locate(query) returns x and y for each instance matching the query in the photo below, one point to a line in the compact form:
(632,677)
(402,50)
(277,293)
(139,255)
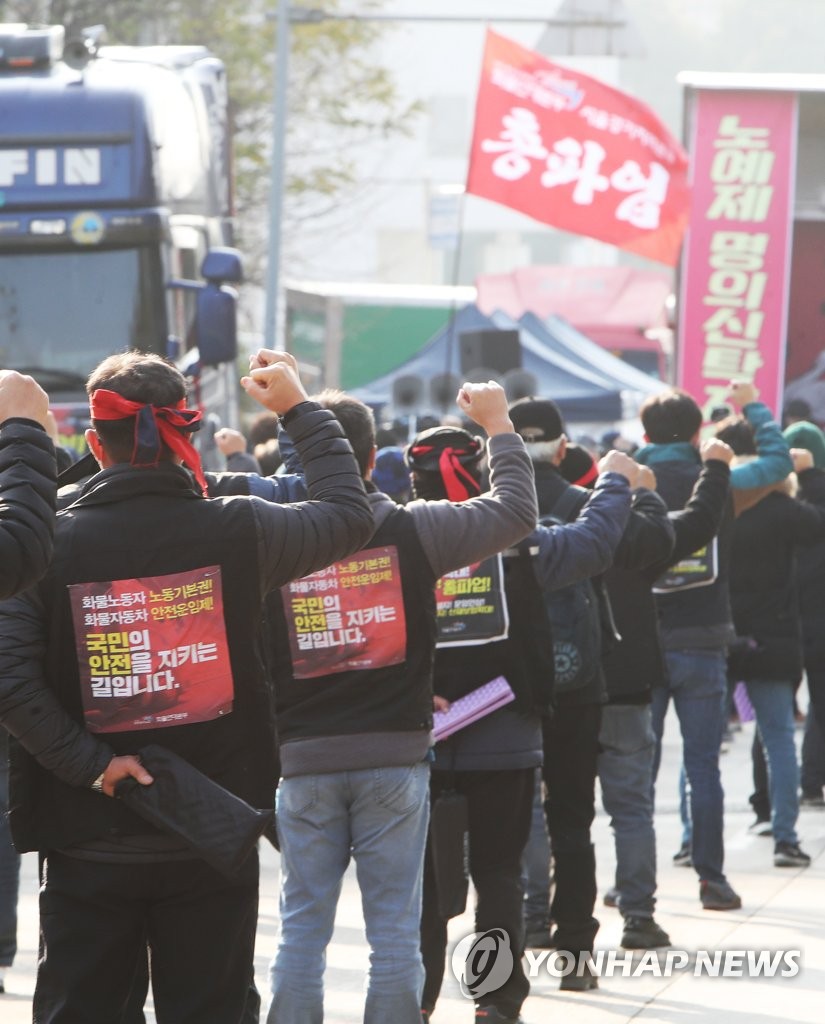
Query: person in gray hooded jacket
(491,763)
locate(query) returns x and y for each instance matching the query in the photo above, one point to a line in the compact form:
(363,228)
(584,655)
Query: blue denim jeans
(379,816)
(628,747)
(773,704)
(696,683)
(9,865)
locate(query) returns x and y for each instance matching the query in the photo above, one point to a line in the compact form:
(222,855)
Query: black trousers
(96,920)
(571,748)
(816,692)
(760,798)
(499,805)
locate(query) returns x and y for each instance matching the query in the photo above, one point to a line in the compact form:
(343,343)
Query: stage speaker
(407,391)
(520,384)
(443,389)
(500,350)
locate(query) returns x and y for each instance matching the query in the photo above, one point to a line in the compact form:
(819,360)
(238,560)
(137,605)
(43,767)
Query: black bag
(450,850)
(216,825)
(575,615)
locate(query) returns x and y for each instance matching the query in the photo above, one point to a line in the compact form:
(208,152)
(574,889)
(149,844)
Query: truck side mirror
(222,265)
(216,329)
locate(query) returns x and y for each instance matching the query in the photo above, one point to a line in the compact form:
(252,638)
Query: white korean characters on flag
(577,154)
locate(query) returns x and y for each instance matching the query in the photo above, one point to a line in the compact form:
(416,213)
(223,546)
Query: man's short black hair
(737,432)
(140,377)
(671,416)
(356,419)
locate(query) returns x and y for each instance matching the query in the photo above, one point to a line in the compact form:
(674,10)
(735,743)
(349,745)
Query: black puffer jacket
(763,577)
(140,523)
(700,618)
(27,504)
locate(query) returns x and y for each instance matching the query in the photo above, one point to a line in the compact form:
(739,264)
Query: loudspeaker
(443,390)
(407,391)
(500,350)
(520,384)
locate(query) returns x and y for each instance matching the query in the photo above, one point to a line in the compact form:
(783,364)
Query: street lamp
(286,16)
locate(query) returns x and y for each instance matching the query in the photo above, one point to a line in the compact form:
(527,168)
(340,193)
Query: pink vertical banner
(736,264)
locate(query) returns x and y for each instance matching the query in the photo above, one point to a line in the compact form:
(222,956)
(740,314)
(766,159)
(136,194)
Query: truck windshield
(62,312)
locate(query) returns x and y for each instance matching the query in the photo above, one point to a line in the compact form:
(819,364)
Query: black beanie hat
(578,466)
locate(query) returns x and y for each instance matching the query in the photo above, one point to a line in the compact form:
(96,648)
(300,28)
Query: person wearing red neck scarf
(144,633)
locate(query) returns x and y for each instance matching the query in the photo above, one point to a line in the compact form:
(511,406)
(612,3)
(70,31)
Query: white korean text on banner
(152,652)
(576,153)
(347,616)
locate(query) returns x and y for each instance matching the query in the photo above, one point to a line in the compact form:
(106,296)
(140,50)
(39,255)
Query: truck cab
(115,217)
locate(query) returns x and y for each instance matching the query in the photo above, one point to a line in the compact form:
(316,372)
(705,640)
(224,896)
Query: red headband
(153,424)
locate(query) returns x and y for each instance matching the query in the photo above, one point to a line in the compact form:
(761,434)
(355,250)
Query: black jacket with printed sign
(145,524)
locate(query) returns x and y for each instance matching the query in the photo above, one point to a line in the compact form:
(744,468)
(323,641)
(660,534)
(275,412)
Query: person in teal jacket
(774,462)
(696,625)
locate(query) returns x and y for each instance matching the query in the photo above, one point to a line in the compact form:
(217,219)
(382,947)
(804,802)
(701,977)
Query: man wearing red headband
(145,631)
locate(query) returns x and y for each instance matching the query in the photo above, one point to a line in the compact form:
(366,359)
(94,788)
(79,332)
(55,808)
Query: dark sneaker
(812,800)
(761,827)
(718,896)
(611,897)
(683,858)
(643,933)
(492,1015)
(788,855)
(575,982)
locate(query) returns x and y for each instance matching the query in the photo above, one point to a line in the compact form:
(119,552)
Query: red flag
(575,153)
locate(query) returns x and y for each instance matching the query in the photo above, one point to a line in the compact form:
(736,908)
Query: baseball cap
(537,419)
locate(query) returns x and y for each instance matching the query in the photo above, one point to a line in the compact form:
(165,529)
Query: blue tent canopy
(564,338)
(583,394)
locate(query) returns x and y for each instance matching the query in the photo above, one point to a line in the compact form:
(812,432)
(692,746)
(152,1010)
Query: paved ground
(783,909)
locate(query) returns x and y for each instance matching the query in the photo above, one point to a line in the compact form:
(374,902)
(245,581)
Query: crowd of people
(179,649)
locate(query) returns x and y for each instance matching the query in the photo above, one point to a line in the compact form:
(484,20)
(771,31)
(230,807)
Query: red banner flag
(575,153)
